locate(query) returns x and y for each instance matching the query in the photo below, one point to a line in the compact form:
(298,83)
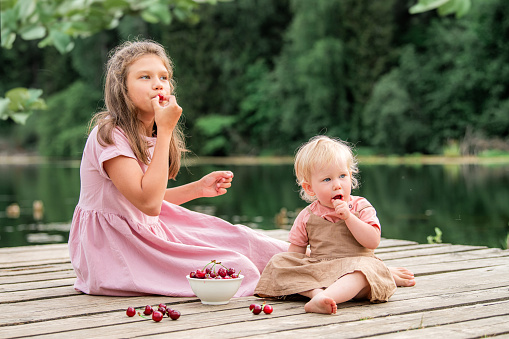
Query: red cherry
(251,307)
(267,309)
(257,309)
(222,272)
(131,312)
(174,314)
(230,271)
(161,97)
(200,274)
(157,316)
(192,274)
(148,310)
(162,310)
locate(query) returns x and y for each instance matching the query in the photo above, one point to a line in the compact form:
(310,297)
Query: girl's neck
(147,126)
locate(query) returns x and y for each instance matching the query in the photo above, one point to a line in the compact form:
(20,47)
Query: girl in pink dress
(342,232)
(129,236)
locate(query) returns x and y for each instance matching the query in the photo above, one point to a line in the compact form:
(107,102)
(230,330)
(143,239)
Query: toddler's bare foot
(321,304)
(402,276)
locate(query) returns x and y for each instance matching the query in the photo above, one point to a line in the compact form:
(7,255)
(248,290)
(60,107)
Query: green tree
(334,52)
(212,68)
(449,81)
(59,22)
(443,7)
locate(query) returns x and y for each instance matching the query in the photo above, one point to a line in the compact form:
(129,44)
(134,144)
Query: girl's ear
(307,188)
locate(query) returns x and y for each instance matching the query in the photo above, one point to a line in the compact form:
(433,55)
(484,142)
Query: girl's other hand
(216,183)
(341,208)
(167,112)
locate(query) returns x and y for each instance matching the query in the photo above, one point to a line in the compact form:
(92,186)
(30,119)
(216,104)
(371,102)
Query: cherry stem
(213,261)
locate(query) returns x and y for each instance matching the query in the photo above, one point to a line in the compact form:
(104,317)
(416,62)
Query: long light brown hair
(120,110)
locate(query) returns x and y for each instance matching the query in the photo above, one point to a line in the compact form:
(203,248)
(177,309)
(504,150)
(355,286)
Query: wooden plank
(434,268)
(19,257)
(59,290)
(446,257)
(480,328)
(418,268)
(32,263)
(31,249)
(39,294)
(4,272)
(407,300)
(426,251)
(76,305)
(408,325)
(191,311)
(222,322)
(395,242)
(12,256)
(461,291)
(37,277)
(37,285)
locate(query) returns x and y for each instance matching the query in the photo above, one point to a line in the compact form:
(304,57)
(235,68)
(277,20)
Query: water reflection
(467,202)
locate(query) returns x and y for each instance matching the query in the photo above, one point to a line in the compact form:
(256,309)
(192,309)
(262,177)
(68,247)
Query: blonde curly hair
(320,151)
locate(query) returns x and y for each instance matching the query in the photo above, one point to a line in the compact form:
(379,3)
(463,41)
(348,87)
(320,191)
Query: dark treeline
(260,77)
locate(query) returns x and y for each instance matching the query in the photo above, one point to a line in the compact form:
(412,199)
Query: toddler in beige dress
(341,230)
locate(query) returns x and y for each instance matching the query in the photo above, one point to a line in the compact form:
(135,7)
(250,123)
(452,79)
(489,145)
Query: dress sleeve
(298,235)
(120,147)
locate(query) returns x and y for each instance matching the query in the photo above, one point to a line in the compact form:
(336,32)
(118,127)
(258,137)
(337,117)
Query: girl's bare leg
(353,285)
(402,276)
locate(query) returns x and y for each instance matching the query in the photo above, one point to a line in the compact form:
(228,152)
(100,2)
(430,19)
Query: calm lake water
(469,203)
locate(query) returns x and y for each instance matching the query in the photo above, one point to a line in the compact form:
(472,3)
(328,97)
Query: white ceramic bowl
(215,291)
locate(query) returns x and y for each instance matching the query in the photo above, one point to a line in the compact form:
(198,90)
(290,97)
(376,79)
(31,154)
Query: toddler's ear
(308,189)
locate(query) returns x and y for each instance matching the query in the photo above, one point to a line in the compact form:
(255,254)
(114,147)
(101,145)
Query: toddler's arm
(367,235)
(297,249)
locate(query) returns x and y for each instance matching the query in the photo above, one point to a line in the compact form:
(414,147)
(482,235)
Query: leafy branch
(19,103)
(443,7)
(59,22)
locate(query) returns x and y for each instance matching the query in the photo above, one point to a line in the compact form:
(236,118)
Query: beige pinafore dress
(334,253)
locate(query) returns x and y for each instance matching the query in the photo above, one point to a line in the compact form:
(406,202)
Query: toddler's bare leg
(311,293)
(353,285)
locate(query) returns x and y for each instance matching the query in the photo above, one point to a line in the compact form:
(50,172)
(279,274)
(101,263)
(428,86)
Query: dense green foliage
(58,22)
(262,76)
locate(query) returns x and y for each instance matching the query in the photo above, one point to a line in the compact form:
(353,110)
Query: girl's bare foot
(402,276)
(321,304)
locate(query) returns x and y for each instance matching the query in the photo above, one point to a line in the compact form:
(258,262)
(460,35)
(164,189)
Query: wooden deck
(461,292)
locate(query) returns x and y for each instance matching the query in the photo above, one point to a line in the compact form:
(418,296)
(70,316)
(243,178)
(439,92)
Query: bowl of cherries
(215,284)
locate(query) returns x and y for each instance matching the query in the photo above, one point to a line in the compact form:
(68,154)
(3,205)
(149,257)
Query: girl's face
(329,182)
(146,78)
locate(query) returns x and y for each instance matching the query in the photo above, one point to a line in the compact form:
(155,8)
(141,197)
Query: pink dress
(118,250)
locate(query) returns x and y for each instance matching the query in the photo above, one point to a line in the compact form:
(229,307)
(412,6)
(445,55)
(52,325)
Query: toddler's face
(147,77)
(330,182)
